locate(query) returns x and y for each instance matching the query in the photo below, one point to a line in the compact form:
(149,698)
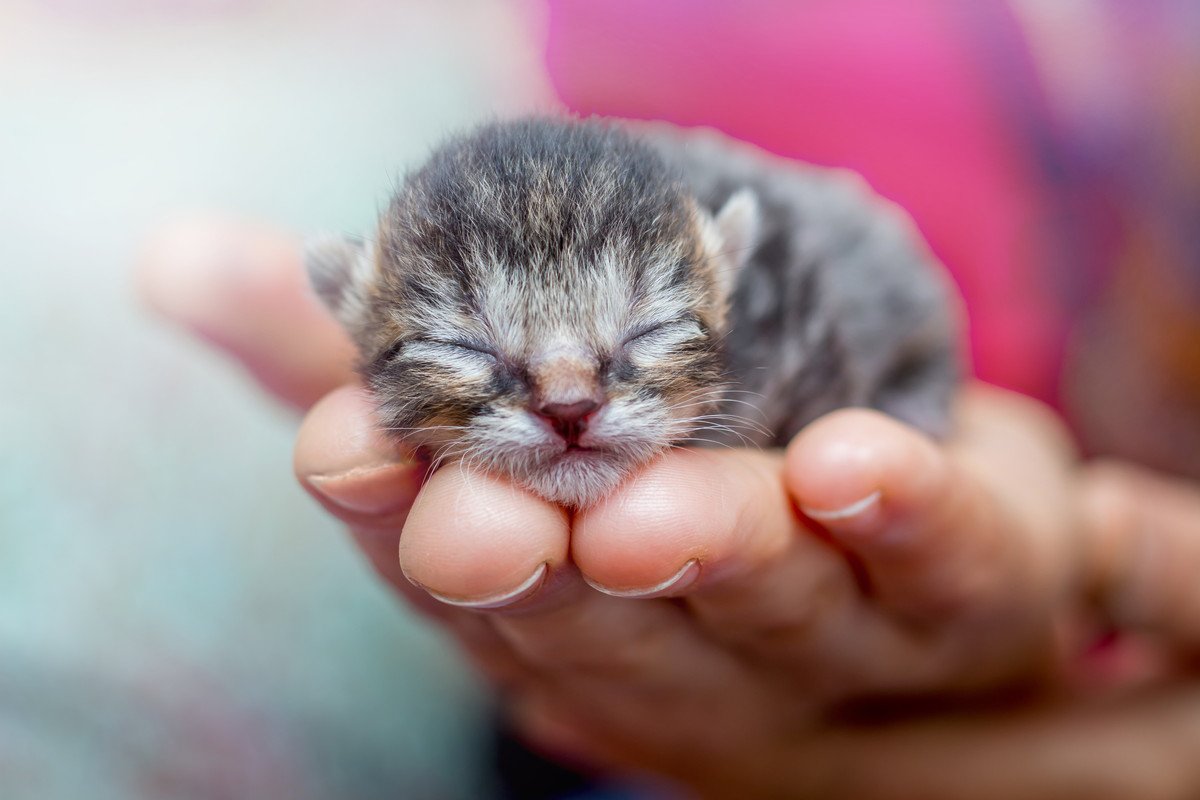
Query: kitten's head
(543,300)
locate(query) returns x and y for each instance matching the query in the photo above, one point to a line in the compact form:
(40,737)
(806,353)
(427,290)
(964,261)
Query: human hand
(952,582)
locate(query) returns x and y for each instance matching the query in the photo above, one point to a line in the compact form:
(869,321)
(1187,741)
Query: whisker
(425,428)
(732,420)
(718,427)
(711,442)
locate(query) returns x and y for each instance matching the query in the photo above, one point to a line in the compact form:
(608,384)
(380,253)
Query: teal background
(176,618)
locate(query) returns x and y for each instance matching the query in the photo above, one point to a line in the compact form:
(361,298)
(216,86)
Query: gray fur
(701,290)
(842,303)
(338,269)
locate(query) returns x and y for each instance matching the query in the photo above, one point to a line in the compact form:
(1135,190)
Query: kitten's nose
(569,419)
(568,413)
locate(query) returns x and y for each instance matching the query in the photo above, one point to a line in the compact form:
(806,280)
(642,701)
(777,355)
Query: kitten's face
(543,302)
(564,376)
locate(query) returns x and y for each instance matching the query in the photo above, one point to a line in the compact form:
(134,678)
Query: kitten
(560,301)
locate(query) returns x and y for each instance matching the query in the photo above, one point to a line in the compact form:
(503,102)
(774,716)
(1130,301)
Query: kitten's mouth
(581,454)
(575,452)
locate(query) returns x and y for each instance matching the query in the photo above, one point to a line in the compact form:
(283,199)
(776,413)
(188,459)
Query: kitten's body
(560,301)
(841,303)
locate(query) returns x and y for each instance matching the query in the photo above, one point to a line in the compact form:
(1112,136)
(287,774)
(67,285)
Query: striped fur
(699,290)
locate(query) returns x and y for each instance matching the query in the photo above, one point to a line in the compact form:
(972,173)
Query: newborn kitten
(560,301)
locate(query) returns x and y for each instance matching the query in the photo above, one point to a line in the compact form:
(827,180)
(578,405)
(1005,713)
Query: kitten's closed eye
(459,347)
(418,347)
(656,339)
(677,327)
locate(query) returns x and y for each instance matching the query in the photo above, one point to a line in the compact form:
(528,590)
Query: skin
(958,581)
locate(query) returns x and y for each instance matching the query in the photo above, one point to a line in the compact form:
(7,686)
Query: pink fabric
(895,91)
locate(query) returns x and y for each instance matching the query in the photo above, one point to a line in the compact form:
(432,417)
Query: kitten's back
(841,303)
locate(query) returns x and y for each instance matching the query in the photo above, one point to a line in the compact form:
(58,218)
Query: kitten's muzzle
(569,420)
(566,389)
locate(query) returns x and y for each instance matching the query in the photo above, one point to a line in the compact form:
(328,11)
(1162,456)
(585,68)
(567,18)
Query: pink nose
(569,419)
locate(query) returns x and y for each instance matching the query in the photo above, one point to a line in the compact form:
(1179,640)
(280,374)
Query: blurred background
(170,600)
(168,595)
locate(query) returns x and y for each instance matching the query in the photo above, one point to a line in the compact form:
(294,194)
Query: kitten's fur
(694,289)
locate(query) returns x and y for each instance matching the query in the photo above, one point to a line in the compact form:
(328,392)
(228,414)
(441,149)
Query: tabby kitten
(559,301)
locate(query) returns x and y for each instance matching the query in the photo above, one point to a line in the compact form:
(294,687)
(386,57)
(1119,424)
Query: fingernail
(526,589)
(375,491)
(682,579)
(845,512)
(861,514)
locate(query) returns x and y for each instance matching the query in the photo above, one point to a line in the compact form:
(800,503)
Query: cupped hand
(727,617)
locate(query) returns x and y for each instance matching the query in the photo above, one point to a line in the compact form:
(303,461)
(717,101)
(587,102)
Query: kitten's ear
(731,236)
(340,270)
(737,224)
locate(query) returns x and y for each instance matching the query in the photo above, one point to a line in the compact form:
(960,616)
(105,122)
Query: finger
(761,583)
(716,529)
(1143,545)
(358,476)
(366,482)
(691,515)
(243,289)
(942,533)
(475,541)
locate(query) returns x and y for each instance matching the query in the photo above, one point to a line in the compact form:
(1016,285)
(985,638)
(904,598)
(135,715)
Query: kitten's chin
(578,477)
